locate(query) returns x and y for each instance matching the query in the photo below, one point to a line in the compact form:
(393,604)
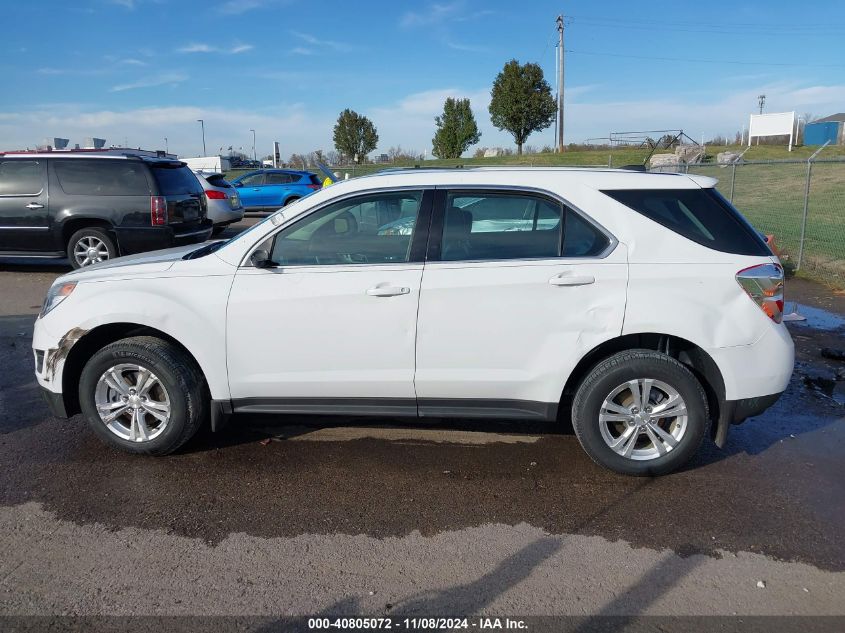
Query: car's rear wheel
(143,395)
(640,412)
(290,200)
(90,246)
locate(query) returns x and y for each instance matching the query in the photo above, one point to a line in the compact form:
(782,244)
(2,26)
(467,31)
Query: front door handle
(387,291)
(572,280)
(34,205)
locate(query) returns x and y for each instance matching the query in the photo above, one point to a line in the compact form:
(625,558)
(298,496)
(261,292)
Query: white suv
(642,305)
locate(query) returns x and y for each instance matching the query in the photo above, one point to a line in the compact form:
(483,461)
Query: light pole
(202,124)
(166,149)
(254,158)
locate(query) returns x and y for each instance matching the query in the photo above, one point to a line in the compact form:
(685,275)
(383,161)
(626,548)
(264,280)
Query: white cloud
(433,14)
(313,40)
(297,127)
(301,50)
(469,48)
(196,48)
(408,121)
(199,47)
(151,82)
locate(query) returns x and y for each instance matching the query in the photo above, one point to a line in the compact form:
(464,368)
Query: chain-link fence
(801,204)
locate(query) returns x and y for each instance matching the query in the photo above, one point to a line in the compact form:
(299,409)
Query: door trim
(328,406)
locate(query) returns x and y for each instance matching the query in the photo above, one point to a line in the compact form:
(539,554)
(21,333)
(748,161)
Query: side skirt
(221,410)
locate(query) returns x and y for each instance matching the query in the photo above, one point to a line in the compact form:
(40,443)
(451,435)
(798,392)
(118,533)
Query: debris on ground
(761,584)
(833,354)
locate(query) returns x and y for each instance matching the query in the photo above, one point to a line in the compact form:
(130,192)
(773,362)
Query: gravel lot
(299,516)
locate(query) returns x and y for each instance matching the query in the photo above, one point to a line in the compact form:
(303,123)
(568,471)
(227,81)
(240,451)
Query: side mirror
(260,259)
(238,184)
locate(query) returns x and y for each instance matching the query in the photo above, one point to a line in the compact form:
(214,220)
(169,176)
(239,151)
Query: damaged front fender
(56,355)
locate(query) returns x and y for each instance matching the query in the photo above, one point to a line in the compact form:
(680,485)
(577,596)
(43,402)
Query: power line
(705,61)
(742,27)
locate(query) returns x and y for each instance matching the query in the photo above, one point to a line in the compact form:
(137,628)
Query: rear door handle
(572,280)
(387,291)
(34,205)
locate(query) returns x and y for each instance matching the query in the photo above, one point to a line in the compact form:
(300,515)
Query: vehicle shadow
(46,265)
(472,598)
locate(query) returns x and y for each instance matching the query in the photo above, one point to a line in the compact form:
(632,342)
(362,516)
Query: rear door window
(109,177)
(175,179)
(489,225)
(21,177)
(281,179)
(253,180)
(701,215)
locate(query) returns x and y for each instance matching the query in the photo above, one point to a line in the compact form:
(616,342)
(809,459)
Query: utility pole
(253,145)
(761,101)
(202,124)
(560,147)
(166,148)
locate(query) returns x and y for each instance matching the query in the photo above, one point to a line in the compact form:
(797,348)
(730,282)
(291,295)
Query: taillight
(215,195)
(764,284)
(158,210)
(313,187)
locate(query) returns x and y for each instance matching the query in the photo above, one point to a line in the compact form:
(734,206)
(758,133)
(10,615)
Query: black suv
(94,207)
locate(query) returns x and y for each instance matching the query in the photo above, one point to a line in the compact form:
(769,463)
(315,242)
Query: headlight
(57,294)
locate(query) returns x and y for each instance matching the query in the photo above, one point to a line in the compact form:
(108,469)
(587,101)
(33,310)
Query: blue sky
(141,70)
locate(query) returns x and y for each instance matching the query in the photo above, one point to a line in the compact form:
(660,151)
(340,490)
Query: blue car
(269,189)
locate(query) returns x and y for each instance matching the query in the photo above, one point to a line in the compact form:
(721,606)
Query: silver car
(224,203)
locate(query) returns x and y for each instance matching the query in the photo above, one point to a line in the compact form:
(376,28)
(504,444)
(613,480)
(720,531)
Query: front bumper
(153,238)
(55,402)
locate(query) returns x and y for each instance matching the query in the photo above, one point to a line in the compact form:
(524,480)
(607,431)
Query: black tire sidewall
(597,387)
(100,234)
(134,354)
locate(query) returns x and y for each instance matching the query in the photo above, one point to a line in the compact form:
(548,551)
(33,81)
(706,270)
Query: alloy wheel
(643,419)
(132,402)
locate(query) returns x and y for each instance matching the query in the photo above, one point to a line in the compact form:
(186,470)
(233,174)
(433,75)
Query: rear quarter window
(175,180)
(102,177)
(700,215)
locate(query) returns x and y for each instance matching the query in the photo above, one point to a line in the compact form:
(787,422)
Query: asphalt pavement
(302,516)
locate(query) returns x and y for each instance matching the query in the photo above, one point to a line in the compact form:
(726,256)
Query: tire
(177,384)
(290,200)
(640,455)
(95,239)
(217,230)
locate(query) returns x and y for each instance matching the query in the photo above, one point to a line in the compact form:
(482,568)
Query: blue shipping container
(820,133)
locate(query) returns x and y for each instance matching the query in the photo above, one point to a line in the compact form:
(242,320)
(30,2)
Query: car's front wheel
(143,395)
(640,412)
